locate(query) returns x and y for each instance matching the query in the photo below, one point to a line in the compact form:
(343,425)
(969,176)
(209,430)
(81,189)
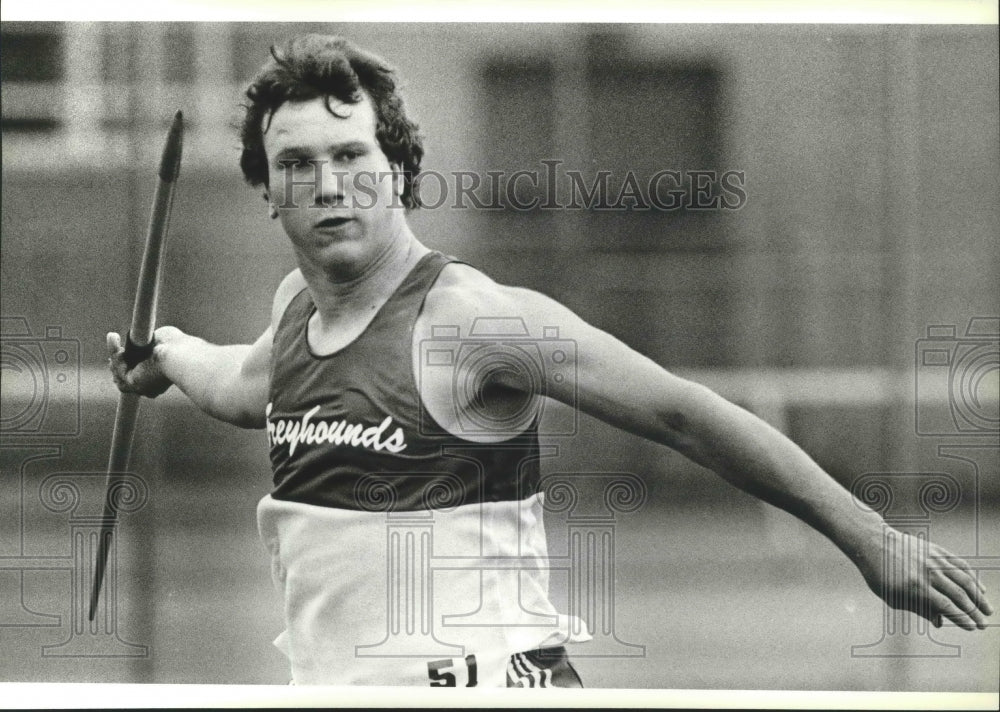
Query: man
(365,422)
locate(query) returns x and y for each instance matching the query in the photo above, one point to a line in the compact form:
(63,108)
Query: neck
(346,291)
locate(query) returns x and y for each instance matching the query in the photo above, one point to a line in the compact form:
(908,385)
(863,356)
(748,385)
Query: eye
(292,163)
(347,155)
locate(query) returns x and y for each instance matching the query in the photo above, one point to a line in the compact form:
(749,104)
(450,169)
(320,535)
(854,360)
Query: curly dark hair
(311,66)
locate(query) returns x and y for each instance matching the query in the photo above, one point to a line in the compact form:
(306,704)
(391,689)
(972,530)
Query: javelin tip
(170,163)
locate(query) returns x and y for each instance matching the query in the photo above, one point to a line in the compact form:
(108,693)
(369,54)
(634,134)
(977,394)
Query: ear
(398,179)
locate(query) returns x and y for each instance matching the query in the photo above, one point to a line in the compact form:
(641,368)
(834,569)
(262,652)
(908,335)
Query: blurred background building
(872,177)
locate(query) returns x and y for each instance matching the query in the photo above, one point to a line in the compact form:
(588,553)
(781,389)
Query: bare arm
(621,387)
(226,382)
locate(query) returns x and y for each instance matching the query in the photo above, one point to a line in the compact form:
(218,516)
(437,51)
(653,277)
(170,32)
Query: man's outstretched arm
(758,459)
(620,386)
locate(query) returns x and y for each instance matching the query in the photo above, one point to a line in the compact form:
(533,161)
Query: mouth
(332,223)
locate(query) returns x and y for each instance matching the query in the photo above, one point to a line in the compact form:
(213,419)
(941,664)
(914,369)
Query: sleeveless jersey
(405,555)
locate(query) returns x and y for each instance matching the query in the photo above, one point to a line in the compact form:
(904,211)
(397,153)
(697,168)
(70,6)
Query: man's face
(342,209)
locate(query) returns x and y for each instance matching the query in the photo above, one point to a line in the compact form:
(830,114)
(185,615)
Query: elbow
(249,422)
(673,428)
(673,423)
(248,418)
(234,412)
(679,421)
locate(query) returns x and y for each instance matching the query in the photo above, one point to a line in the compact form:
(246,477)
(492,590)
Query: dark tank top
(349,430)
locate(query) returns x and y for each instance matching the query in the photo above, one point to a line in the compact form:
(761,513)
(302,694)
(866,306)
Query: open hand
(920,576)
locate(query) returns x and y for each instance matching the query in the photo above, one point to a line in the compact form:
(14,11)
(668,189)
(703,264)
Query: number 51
(441,671)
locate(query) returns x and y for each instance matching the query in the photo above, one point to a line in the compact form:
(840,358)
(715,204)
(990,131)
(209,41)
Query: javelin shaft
(138,345)
(121,449)
(144,309)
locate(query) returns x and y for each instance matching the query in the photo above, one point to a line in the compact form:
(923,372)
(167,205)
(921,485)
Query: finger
(114,342)
(133,376)
(944,605)
(963,574)
(118,373)
(960,596)
(962,565)
(970,585)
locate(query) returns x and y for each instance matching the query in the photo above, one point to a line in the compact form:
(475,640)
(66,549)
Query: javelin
(138,343)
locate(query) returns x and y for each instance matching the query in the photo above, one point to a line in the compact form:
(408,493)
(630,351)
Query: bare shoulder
(463,294)
(480,349)
(292,284)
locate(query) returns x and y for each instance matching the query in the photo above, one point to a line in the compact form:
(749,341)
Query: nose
(331,184)
(314,183)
